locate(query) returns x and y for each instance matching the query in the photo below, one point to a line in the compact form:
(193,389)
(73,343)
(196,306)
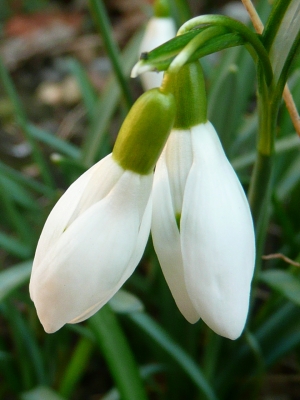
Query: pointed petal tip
(230,328)
(50,325)
(231,334)
(192,318)
(139,68)
(51,328)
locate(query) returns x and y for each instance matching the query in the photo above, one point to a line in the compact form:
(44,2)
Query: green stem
(192,46)
(181,10)
(260,184)
(101,18)
(245,32)
(118,355)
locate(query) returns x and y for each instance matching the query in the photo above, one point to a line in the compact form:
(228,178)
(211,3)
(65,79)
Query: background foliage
(64,92)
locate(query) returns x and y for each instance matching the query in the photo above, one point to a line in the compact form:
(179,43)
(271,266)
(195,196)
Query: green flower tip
(145,131)
(161,9)
(188,87)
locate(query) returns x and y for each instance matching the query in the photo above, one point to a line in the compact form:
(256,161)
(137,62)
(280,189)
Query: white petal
(141,242)
(179,158)
(92,258)
(166,240)
(158,31)
(217,237)
(67,207)
(151,80)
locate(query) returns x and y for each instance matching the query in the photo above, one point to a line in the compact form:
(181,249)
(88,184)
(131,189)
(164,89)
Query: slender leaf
(284,282)
(107,103)
(157,333)
(113,345)
(14,277)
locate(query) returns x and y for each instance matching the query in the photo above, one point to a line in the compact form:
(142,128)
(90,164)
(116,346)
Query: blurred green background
(61,107)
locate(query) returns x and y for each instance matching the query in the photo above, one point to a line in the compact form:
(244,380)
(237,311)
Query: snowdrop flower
(97,232)
(201,224)
(159,30)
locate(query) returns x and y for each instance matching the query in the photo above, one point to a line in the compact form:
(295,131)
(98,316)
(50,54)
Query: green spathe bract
(145,131)
(188,87)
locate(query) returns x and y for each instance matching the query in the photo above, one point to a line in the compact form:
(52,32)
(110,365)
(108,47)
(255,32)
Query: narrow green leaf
(124,302)
(87,90)
(156,332)
(54,142)
(283,347)
(19,194)
(145,371)
(119,357)
(107,103)
(285,144)
(14,246)
(22,120)
(76,367)
(284,282)
(25,180)
(12,213)
(100,16)
(275,21)
(14,277)
(181,10)
(26,346)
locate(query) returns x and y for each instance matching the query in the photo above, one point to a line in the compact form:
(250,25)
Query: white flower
(91,243)
(158,31)
(208,263)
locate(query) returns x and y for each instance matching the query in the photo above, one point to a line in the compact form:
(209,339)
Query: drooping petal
(74,201)
(166,240)
(217,237)
(91,259)
(141,242)
(158,31)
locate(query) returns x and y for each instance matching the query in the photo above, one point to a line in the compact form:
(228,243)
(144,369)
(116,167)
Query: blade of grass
(24,180)
(119,357)
(157,333)
(25,348)
(287,143)
(14,246)
(19,195)
(54,142)
(107,103)
(14,277)
(12,213)
(100,16)
(181,10)
(22,121)
(87,91)
(146,371)
(76,367)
